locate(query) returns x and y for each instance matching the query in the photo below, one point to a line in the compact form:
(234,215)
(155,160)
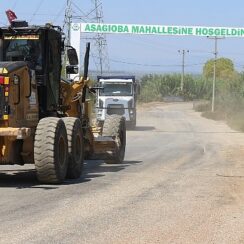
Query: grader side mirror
(72,56)
(72,69)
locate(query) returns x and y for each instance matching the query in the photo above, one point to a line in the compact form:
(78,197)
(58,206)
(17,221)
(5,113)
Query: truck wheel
(134,123)
(131,125)
(75,147)
(51,150)
(114,125)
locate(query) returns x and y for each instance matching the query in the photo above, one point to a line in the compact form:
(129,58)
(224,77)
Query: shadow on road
(26,178)
(144,128)
(20,179)
(197,132)
(99,168)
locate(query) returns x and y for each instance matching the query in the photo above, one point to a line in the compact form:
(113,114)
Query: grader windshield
(23,48)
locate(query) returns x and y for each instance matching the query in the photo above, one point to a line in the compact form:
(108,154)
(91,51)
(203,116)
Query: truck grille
(115,109)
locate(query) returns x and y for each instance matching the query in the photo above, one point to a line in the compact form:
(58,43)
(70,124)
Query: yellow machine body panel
(71,94)
(20,94)
(19,112)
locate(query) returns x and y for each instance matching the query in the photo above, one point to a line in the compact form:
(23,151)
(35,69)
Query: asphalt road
(182,182)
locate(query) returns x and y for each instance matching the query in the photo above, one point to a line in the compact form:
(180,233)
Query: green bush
(156,87)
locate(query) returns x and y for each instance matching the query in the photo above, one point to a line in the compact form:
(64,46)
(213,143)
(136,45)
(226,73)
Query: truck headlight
(99,111)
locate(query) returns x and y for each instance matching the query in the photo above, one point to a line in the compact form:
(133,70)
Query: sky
(146,53)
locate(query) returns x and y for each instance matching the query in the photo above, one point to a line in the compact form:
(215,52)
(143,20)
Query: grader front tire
(114,126)
(51,150)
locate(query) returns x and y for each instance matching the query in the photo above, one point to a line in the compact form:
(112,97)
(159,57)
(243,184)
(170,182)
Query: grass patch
(234,118)
(236,121)
(214,115)
(201,106)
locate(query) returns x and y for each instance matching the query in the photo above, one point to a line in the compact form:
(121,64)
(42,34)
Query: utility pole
(100,38)
(99,42)
(67,28)
(214,68)
(68,19)
(183,52)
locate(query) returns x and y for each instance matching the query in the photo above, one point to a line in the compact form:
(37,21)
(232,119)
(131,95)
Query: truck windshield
(116,89)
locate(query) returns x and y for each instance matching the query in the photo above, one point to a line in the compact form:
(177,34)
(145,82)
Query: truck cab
(117,95)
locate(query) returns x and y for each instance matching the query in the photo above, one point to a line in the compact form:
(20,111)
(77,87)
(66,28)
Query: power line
(78,17)
(94,57)
(59,13)
(84,17)
(14,4)
(155,65)
(93,10)
(37,9)
(4,24)
(40,14)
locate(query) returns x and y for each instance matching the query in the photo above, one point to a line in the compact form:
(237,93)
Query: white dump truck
(117,95)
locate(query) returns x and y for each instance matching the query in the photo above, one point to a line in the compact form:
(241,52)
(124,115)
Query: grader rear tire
(75,147)
(114,125)
(51,150)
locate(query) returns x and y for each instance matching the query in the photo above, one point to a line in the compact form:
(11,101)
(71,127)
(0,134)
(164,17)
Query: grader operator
(44,119)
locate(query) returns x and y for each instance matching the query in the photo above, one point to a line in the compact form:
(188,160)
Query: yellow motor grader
(46,120)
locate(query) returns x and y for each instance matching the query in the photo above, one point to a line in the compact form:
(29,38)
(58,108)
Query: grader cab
(46,120)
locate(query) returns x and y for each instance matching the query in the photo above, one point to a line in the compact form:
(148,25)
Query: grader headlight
(4,80)
(4,94)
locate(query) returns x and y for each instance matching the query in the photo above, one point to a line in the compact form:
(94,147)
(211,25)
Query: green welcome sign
(158,30)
